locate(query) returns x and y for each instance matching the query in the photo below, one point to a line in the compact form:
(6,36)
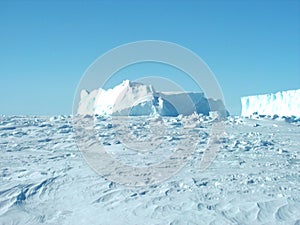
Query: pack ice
(284,103)
(137,99)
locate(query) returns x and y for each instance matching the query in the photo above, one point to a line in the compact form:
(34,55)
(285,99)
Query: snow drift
(137,99)
(284,103)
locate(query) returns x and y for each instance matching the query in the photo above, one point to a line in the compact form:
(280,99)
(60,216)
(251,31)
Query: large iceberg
(284,103)
(137,99)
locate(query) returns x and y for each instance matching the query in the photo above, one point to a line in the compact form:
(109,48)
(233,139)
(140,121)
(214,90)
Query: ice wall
(284,103)
(136,99)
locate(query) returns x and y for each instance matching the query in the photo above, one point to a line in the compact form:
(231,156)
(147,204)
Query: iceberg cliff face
(136,99)
(285,103)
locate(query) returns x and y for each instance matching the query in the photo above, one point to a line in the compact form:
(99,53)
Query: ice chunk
(137,99)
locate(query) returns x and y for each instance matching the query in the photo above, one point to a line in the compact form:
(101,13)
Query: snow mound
(137,99)
(284,103)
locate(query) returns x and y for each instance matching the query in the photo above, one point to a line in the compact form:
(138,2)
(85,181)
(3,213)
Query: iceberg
(137,99)
(284,103)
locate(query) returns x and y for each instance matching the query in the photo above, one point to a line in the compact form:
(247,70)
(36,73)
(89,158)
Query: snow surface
(284,103)
(255,178)
(136,99)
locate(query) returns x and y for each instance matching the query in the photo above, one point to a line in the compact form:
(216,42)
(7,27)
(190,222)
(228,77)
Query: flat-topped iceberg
(284,103)
(137,99)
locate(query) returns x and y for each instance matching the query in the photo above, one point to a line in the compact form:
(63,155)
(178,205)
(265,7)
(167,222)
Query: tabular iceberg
(137,99)
(284,103)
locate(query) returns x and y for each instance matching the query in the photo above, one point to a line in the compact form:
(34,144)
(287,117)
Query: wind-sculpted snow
(285,103)
(136,99)
(254,179)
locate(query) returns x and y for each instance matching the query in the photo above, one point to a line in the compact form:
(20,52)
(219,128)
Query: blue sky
(45,46)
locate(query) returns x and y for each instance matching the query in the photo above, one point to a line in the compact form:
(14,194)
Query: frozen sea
(254,179)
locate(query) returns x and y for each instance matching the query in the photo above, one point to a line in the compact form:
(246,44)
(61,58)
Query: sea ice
(253,180)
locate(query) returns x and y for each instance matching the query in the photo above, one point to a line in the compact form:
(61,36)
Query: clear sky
(251,46)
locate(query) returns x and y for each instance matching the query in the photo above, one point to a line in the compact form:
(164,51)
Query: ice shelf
(283,103)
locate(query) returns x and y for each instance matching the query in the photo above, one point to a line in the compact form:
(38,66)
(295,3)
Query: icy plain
(255,178)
